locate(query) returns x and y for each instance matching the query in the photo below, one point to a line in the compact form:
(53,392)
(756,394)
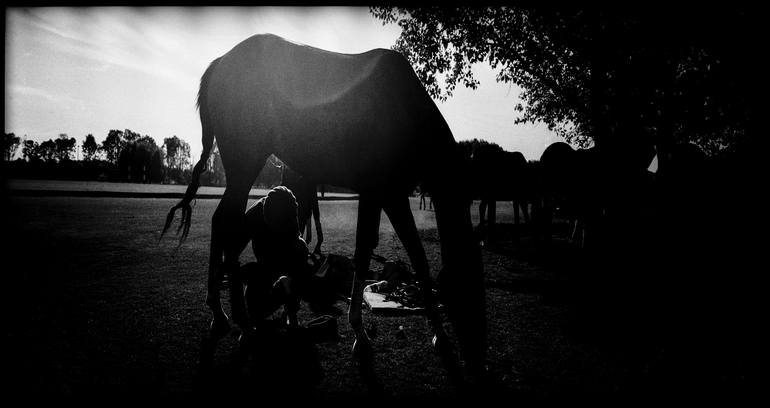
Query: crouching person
(282,271)
(281,275)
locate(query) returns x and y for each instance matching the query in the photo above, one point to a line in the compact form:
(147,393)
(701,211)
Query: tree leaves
(10,144)
(591,72)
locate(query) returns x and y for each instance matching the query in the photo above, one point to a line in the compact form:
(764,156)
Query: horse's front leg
(402,219)
(367,231)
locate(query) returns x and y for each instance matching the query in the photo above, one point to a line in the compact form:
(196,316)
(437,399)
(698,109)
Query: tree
(130,136)
(177,153)
(112,145)
(10,144)
(156,167)
(612,77)
(444,43)
(31,151)
(470,146)
(47,151)
(171,148)
(125,161)
(145,147)
(89,148)
(183,158)
(65,147)
(215,169)
(140,160)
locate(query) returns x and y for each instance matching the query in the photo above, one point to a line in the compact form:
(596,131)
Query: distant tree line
(467,147)
(123,156)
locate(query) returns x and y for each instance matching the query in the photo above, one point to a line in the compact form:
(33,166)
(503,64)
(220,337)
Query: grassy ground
(103,189)
(100,305)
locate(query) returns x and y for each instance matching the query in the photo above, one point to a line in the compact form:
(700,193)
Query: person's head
(280,211)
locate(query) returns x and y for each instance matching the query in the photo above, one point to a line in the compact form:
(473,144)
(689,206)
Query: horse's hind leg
(401,218)
(219,326)
(482,211)
(516,220)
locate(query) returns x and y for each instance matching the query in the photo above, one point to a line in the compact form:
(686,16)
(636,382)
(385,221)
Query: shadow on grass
(278,364)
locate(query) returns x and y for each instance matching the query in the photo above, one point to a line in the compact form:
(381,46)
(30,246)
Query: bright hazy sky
(88,70)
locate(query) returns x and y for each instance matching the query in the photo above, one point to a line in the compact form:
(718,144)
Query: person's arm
(296,281)
(292,301)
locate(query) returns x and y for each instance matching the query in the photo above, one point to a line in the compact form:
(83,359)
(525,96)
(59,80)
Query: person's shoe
(325,309)
(219,328)
(224,282)
(323,328)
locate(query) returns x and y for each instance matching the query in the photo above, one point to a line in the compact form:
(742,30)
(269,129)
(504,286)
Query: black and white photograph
(468,204)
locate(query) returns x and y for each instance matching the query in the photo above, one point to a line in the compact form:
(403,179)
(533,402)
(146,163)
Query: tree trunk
(599,125)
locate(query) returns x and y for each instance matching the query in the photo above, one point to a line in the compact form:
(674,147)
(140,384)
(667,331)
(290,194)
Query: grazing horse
(568,185)
(501,176)
(584,184)
(516,189)
(360,121)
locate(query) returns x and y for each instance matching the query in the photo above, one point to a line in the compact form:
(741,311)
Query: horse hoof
(435,342)
(244,342)
(444,349)
(362,350)
(442,345)
(219,328)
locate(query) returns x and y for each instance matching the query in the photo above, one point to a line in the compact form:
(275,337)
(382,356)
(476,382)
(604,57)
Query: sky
(85,71)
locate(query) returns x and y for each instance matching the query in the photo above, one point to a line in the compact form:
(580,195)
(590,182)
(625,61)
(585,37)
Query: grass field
(100,305)
(84,188)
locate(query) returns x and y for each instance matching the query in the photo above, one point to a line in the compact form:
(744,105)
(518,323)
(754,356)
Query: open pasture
(101,306)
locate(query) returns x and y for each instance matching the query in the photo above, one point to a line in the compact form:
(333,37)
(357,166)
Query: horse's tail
(200,166)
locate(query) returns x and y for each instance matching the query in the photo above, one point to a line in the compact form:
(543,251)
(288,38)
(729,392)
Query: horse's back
(271,69)
(329,113)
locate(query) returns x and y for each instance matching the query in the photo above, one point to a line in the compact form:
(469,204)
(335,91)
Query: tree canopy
(613,77)
(65,147)
(112,145)
(177,153)
(89,148)
(140,159)
(30,151)
(10,144)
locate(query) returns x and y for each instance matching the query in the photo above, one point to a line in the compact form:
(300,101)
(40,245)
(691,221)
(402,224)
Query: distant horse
(569,187)
(359,121)
(423,205)
(583,185)
(501,176)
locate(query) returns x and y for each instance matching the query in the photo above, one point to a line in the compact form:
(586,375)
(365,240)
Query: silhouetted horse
(360,121)
(500,176)
(423,204)
(583,185)
(569,186)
